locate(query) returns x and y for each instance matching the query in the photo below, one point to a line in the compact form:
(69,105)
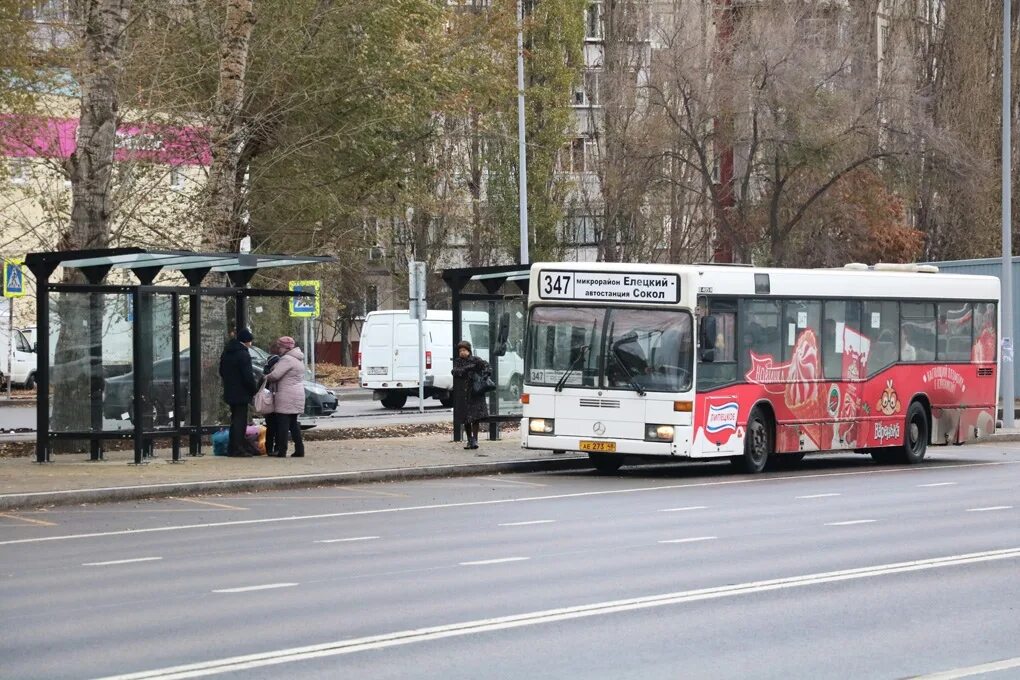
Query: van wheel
(394,400)
(30,382)
(757,444)
(606,464)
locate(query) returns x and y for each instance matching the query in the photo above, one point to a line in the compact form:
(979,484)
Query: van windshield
(615,348)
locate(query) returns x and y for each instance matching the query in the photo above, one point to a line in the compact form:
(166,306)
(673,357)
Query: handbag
(265,402)
(481,383)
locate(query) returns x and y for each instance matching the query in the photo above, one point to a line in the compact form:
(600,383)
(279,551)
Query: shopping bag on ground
(220,441)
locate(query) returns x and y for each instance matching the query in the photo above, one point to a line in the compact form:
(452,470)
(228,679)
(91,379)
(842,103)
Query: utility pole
(1006,370)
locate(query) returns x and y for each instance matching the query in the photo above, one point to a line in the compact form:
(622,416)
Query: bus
(759,366)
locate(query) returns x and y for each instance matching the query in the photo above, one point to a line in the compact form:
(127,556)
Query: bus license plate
(600,447)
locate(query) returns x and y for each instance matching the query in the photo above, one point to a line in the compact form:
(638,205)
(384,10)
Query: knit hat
(464,344)
(286,343)
(244,335)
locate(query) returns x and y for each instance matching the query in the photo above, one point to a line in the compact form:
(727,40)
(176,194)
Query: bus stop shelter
(490,306)
(119,361)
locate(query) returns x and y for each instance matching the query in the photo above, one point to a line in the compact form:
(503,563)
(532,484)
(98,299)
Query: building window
(580,230)
(18,170)
(176,178)
(593,21)
(371,299)
(591,87)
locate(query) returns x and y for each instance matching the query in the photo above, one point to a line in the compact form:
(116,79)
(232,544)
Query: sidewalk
(72,479)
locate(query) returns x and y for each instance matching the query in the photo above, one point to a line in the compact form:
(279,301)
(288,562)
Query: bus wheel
(915,439)
(604,463)
(757,444)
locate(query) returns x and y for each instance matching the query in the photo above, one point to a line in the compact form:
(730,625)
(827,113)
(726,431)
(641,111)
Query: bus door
(845,351)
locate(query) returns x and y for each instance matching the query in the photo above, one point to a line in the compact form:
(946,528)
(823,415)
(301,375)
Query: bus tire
(394,400)
(758,443)
(606,464)
(915,440)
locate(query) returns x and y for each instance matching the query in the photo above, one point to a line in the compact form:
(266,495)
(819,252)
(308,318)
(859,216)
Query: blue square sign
(14,279)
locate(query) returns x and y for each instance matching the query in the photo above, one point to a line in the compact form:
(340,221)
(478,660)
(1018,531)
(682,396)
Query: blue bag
(220,441)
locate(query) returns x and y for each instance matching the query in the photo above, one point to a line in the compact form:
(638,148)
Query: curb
(18,501)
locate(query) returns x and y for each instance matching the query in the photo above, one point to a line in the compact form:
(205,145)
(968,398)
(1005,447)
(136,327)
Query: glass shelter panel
(495,330)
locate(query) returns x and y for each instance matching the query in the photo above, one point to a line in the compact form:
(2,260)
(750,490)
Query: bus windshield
(618,348)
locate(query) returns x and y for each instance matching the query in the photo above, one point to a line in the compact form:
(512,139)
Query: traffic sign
(304,306)
(14,279)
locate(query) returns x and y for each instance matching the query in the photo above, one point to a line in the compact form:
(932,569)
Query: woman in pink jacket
(287,380)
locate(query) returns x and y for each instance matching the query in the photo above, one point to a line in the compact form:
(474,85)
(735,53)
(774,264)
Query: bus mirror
(502,334)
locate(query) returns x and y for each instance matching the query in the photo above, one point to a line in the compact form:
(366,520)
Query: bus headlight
(659,433)
(541,426)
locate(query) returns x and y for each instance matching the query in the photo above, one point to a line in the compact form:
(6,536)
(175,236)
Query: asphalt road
(840,569)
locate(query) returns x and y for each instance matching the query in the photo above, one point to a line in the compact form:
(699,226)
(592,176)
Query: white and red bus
(757,365)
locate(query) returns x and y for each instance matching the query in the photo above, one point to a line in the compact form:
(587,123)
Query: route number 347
(556,285)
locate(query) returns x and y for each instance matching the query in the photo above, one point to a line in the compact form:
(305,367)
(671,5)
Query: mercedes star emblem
(599,428)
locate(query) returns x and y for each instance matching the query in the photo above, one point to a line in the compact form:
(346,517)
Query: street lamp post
(1006,373)
(522,151)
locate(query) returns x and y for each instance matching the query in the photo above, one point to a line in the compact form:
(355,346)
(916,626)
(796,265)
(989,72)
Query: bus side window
(841,339)
(917,332)
(881,327)
(759,330)
(717,345)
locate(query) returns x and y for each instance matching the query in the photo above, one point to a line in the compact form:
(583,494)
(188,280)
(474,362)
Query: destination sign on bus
(609,287)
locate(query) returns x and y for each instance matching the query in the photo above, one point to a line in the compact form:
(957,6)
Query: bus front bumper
(634,447)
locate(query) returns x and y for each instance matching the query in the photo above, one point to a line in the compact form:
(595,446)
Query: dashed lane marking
(990,508)
(694,539)
(235,664)
(500,560)
(923,486)
(818,495)
(248,589)
(850,522)
(348,540)
(129,561)
(524,524)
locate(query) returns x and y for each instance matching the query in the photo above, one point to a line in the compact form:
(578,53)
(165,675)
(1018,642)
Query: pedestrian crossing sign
(305,306)
(14,279)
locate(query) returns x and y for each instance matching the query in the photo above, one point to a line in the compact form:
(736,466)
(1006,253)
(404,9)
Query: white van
(388,356)
(16,350)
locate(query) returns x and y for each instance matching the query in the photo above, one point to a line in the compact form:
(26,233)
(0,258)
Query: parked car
(117,395)
(17,349)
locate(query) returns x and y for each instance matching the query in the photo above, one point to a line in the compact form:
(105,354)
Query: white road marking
(971,671)
(922,486)
(348,540)
(248,589)
(690,540)
(689,507)
(132,561)
(474,504)
(524,524)
(499,561)
(404,637)
(819,495)
(851,522)
(993,507)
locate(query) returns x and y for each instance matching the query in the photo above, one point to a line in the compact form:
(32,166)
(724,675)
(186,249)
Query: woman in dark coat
(468,408)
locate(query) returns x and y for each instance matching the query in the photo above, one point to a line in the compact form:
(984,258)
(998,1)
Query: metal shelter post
(42,272)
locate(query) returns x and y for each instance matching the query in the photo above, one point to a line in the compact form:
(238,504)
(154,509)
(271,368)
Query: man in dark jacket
(238,389)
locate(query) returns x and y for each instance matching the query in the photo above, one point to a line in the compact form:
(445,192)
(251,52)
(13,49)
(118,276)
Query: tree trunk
(223,200)
(90,169)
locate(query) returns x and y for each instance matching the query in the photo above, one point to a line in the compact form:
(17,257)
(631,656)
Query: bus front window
(650,348)
(558,340)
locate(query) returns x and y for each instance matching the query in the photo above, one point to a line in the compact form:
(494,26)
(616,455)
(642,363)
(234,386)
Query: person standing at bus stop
(469,406)
(239,387)
(287,378)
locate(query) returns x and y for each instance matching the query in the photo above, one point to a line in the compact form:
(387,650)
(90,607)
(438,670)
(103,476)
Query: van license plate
(377,370)
(601,447)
